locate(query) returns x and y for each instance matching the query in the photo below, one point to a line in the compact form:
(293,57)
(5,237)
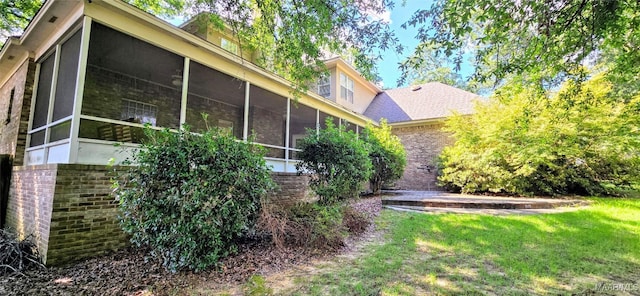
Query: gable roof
(426,101)
(383,106)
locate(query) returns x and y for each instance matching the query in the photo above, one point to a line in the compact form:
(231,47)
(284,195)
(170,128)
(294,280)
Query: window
(66,81)
(229,46)
(138,112)
(41,108)
(346,88)
(13,93)
(324,86)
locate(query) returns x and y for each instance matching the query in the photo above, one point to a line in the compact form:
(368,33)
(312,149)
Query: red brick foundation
(70,213)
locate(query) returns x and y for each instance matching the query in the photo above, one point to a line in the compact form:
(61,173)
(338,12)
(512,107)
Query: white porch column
(245,129)
(77,100)
(185,91)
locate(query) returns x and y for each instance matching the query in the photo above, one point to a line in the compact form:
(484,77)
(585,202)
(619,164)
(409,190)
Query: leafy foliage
(166,8)
(386,153)
(293,38)
(190,197)
(579,140)
(531,36)
(337,160)
(256,285)
(324,224)
(15,15)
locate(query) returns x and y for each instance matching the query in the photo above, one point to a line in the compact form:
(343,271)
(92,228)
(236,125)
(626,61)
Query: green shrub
(578,140)
(324,224)
(337,160)
(386,153)
(190,197)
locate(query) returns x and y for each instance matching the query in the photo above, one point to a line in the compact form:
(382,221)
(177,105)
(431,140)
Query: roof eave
(418,122)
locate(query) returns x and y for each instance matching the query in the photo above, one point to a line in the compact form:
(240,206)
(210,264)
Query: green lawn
(563,253)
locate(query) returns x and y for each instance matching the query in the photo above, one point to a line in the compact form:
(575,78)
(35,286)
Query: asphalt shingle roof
(426,101)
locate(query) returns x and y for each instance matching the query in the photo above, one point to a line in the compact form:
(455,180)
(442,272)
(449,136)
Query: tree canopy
(546,40)
(15,15)
(535,37)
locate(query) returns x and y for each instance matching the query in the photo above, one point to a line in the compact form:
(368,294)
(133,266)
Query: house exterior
(88,74)
(416,115)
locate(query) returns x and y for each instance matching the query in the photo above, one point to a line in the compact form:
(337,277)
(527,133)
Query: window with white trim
(9,109)
(324,86)
(139,112)
(346,88)
(229,45)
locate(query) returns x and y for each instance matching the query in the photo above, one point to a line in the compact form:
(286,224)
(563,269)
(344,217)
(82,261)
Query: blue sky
(388,67)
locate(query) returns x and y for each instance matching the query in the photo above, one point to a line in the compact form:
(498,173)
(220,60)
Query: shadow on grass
(569,252)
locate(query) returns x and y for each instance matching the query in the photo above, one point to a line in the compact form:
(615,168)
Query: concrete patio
(444,202)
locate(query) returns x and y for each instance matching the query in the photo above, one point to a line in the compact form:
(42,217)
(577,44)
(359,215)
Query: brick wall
(84,220)
(69,210)
(31,202)
(423,145)
(291,189)
(13,134)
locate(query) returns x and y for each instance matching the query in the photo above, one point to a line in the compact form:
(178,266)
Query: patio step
(473,202)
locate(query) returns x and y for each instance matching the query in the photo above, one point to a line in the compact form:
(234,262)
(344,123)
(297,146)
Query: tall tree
(426,65)
(532,36)
(429,67)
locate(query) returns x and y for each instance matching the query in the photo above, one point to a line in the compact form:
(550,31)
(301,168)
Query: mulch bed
(131,272)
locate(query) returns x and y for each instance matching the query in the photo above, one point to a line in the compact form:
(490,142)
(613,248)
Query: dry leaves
(130,272)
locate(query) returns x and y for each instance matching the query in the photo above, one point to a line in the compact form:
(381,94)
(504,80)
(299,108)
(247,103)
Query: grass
(567,253)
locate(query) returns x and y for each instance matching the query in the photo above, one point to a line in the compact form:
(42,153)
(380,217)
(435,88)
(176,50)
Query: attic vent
(11,57)
(53,19)
(416,88)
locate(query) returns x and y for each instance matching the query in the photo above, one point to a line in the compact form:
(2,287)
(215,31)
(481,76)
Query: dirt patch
(131,272)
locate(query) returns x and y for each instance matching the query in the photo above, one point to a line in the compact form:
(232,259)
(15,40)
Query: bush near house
(339,165)
(386,153)
(190,197)
(580,140)
(337,160)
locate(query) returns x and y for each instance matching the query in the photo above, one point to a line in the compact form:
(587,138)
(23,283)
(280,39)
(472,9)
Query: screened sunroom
(98,86)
